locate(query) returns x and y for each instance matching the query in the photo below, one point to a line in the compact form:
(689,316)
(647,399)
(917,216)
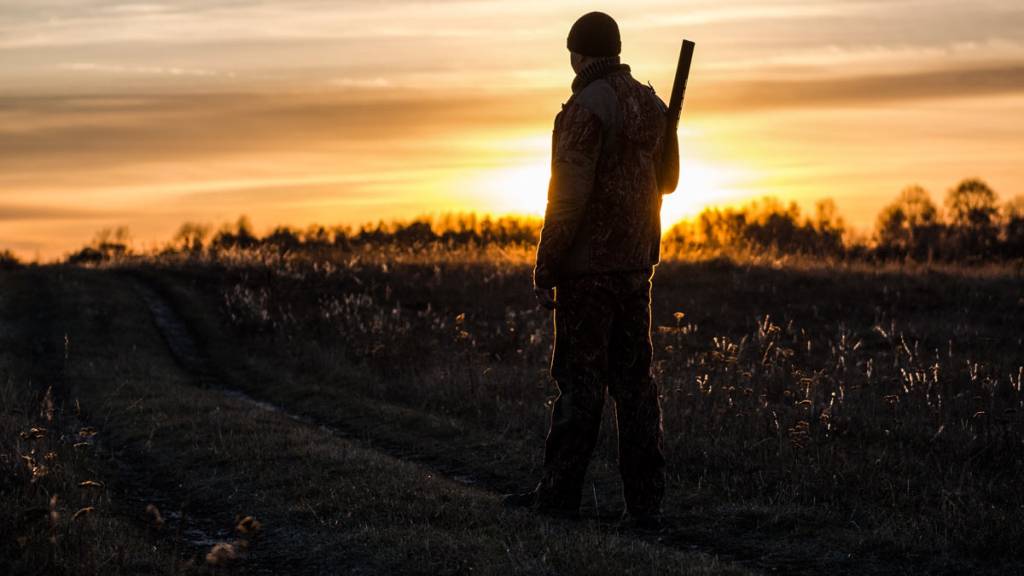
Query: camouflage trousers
(603,342)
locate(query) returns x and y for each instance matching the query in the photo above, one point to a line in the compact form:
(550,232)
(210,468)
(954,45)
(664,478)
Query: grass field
(365,409)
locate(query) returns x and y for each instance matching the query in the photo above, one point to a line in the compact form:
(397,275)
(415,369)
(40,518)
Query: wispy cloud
(277,44)
(21,212)
(756,96)
(348,82)
(144,70)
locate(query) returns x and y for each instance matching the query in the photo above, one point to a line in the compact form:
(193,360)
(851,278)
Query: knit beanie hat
(595,34)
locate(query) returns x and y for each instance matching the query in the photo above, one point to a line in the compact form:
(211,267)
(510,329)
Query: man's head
(594,35)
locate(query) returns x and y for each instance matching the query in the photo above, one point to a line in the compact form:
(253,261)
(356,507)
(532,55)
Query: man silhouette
(611,162)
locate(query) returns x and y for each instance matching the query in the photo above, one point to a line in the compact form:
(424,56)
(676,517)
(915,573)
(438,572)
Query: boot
(519,499)
(642,522)
(533,500)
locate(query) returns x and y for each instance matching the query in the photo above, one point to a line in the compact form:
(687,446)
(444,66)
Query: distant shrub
(973,217)
(98,254)
(284,238)
(191,236)
(87,255)
(909,226)
(1012,237)
(108,244)
(8,261)
(765,225)
(238,236)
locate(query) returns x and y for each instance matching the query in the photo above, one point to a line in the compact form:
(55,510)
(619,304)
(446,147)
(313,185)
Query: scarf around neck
(596,70)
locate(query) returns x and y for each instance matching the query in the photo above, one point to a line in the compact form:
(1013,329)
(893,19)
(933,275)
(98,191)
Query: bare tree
(909,225)
(1013,227)
(972,211)
(191,236)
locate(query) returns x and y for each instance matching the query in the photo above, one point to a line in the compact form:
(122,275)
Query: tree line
(970,225)
(973,225)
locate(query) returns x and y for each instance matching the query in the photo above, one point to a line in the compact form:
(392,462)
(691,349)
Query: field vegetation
(830,406)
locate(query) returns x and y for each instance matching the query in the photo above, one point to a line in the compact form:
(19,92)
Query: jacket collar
(596,70)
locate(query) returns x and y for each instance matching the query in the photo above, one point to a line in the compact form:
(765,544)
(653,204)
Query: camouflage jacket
(604,198)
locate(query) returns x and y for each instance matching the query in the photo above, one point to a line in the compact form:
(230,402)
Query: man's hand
(545,297)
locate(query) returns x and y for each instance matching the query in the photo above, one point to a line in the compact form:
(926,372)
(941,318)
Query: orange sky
(151,114)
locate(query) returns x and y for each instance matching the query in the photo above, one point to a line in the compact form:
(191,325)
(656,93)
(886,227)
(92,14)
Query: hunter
(611,162)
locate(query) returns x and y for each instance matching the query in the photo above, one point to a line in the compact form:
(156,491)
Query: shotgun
(669,172)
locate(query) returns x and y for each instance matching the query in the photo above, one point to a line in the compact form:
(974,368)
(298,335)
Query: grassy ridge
(845,419)
(867,416)
(61,510)
(325,504)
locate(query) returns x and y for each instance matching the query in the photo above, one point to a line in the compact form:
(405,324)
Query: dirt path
(141,472)
(42,347)
(197,362)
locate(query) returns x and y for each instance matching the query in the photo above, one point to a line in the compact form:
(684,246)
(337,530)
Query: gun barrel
(675,103)
(668,165)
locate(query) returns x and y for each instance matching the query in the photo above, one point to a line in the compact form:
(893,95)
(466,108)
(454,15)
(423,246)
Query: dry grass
(871,410)
(820,417)
(57,513)
(324,503)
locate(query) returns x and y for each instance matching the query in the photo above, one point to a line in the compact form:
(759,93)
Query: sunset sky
(341,112)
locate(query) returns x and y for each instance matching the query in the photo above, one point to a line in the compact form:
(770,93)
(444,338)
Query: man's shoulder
(600,99)
(657,99)
(629,87)
(646,91)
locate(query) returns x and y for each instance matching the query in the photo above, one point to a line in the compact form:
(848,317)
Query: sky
(150,114)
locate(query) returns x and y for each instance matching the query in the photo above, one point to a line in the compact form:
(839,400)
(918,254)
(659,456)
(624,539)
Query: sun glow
(702,184)
(522,188)
(519,189)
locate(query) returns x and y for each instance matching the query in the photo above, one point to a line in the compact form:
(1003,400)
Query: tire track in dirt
(687,534)
(184,346)
(128,478)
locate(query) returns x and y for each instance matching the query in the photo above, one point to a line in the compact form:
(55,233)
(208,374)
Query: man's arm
(575,152)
